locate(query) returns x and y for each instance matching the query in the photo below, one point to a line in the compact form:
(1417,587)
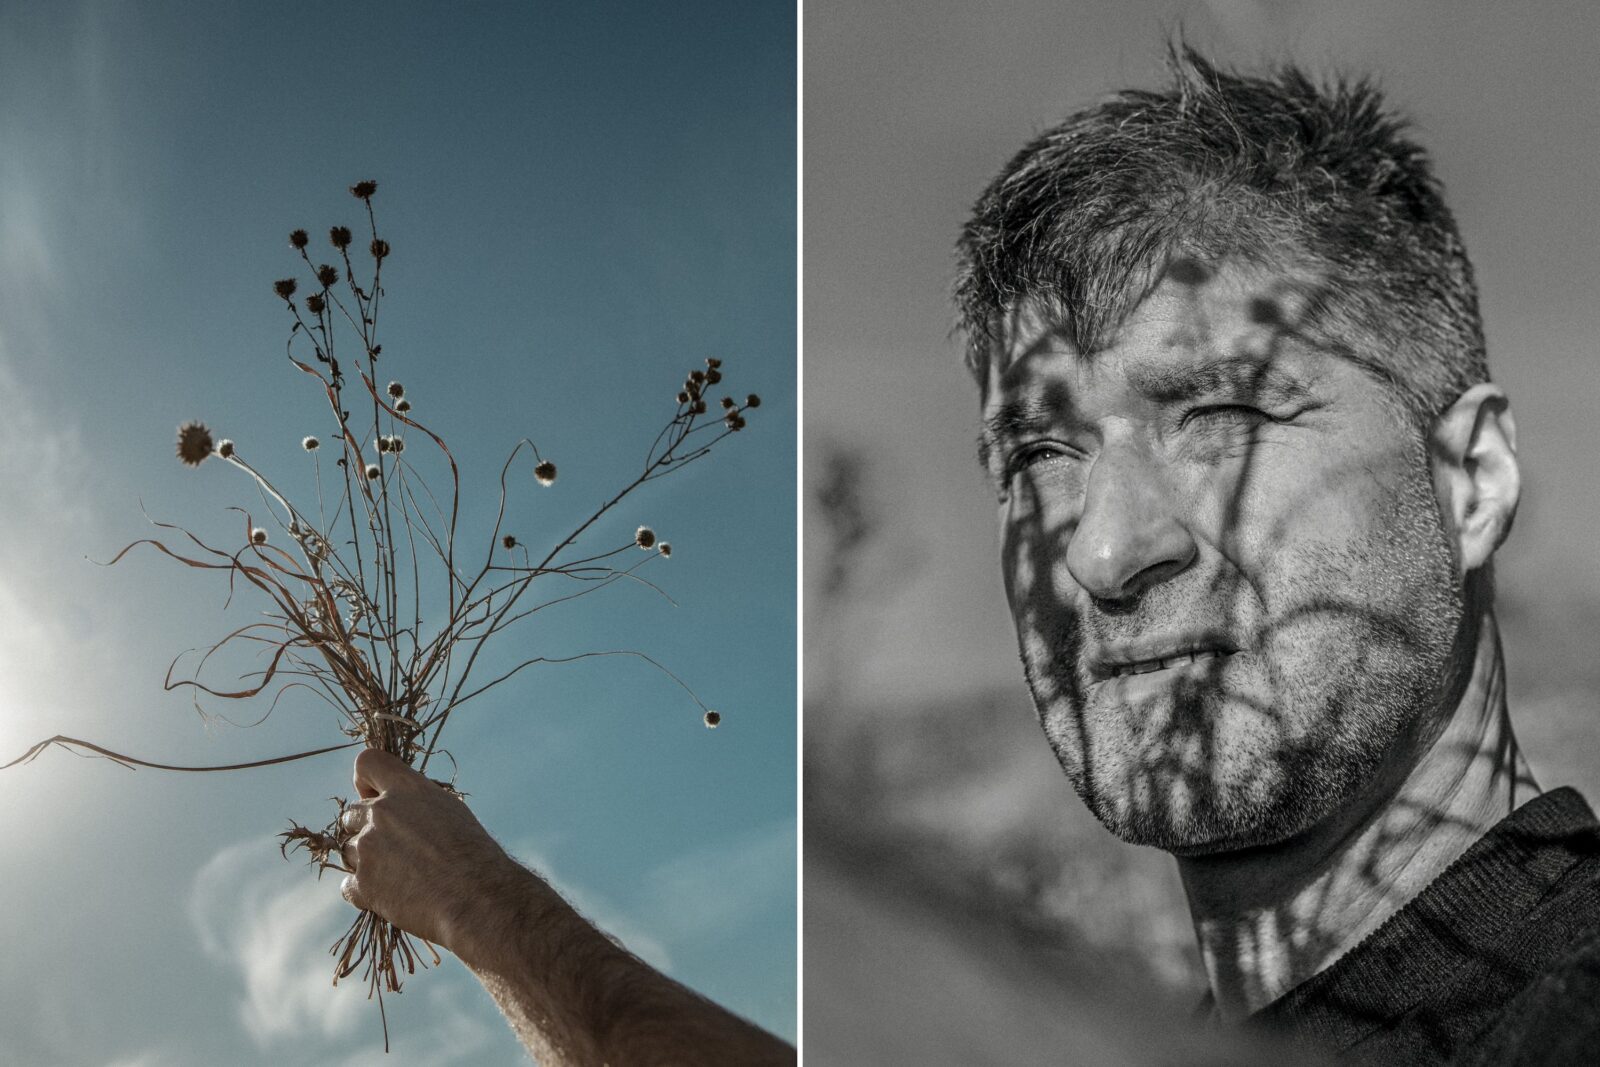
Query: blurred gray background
(960,905)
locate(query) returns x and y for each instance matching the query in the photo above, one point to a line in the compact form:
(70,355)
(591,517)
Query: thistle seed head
(712,718)
(225,448)
(545,473)
(310,444)
(298,239)
(373,471)
(258,536)
(396,390)
(403,407)
(379,247)
(363,190)
(315,304)
(644,537)
(340,237)
(327,277)
(194,443)
(665,549)
(284,287)
(509,541)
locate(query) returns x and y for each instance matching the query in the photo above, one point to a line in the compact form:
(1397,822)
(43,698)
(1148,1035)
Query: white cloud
(272,922)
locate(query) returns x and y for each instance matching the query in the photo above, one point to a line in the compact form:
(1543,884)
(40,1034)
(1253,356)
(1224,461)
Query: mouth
(1130,659)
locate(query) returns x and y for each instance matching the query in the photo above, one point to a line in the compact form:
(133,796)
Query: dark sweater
(1496,962)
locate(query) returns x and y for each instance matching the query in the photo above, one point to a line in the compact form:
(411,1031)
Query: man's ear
(1474,449)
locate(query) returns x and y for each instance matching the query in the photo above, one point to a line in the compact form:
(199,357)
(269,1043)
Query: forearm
(573,996)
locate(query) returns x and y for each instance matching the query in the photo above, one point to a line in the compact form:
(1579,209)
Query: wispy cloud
(272,924)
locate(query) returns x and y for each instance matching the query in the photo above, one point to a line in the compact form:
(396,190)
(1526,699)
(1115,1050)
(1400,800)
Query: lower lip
(1133,686)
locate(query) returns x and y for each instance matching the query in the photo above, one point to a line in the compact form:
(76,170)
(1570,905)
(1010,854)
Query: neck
(1269,918)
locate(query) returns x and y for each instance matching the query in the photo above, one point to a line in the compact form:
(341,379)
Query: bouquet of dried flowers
(346,580)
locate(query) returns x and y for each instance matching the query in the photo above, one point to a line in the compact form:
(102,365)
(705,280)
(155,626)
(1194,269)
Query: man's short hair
(1271,170)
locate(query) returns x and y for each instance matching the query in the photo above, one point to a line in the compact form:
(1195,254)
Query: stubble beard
(1341,677)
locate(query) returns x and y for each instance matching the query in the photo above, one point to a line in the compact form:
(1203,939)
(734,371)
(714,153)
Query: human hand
(419,857)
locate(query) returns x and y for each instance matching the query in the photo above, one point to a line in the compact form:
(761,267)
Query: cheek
(1033,550)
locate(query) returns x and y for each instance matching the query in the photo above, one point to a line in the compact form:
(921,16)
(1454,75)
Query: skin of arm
(572,995)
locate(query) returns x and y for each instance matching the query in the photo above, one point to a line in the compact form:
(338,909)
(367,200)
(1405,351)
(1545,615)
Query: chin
(1208,774)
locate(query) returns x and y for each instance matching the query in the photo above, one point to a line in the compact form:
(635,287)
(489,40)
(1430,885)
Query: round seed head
(509,541)
(383,443)
(644,537)
(310,444)
(752,401)
(403,406)
(697,376)
(683,397)
(194,443)
(699,407)
(397,444)
(712,718)
(258,536)
(315,304)
(327,276)
(713,363)
(545,473)
(380,248)
(225,448)
(396,390)
(665,549)
(713,376)
(373,471)
(728,403)
(298,239)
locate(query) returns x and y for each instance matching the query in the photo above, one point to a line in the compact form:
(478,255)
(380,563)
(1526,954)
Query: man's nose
(1129,535)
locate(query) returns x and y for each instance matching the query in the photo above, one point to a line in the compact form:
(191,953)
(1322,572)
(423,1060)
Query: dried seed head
(397,390)
(545,473)
(734,421)
(713,363)
(752,401)
(298,239)
(644,537)
(665,549)
(327,277)
(699,407)
(713,376)
(712,718)
(728,403)
(403,406)
(340,236)
(697,376)
(397,444)
(373,471)
(194,443)
(380,248)
(258,536)
(383,443)
(225,448)
(363,190)
(315,304)
(683,397)
(284,287)
(509,541)
(310,444)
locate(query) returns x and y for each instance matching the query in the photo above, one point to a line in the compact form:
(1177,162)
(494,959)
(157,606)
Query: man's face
(1235,598)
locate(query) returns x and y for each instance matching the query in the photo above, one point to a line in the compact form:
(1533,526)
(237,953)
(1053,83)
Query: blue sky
(585,201)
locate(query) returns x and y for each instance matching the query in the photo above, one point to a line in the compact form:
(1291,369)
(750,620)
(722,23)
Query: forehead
(1182,337)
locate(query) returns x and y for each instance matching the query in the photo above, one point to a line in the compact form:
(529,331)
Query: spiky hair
(1270,170)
